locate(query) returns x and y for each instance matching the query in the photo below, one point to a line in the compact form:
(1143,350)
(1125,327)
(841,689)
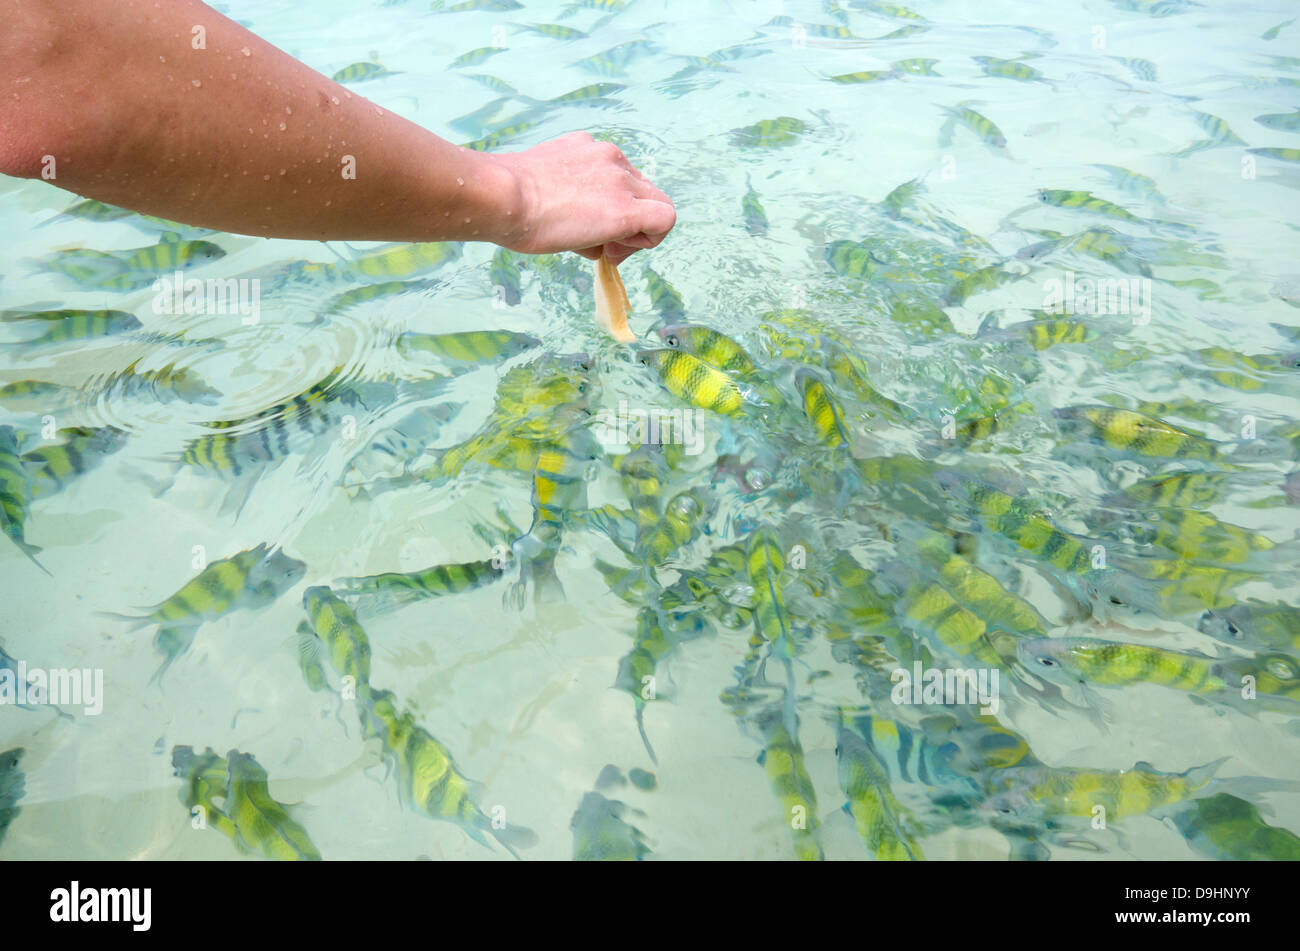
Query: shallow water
(523,699)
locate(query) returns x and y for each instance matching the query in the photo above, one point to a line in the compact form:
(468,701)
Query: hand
(577,194)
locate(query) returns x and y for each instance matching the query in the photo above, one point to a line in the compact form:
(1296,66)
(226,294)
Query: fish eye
(671,340)
(1046,661)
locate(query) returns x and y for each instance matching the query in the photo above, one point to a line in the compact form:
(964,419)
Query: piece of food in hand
(611,301)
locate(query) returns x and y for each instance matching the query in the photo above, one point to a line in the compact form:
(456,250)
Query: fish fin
(1197,773)
(31,551)
(640,726)
(136,621)
(238,494)
(514,837)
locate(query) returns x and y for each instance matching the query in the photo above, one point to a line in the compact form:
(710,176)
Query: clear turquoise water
(523,699)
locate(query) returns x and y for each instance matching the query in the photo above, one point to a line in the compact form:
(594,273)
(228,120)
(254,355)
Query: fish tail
(31,551)
(136,621)
(640,726)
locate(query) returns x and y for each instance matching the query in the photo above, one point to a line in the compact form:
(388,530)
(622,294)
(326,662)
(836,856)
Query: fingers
(656,218)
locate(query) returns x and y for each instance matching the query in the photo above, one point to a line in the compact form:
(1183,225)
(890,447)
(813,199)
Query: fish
(1138,433)
(41,392)
(504,275)
(404,260)
(591,93)
(782,760)
(361,72)
(67,326)
(390,589)
(88,209)
(1039,792)
(1009,69)
(692,380)
(469,6)
(204,780)
(752,210)
(472,346)
(822,409)
(554,31)
(163,384)
(1227,828)
(474,57)
(13,786)
(339,631)
(714,348)
(1142,69)
(15,495)
(1143,186)
(1084,201)
(559,487)
(664,298)
(638,675)
(1283,155)
(916,66)
(1281,121)
(1178,490)
(11,681)
(1113,664)
(1272,32)
(765,564)
(1011,518)
(78,450)
(611,301)
(766,133)
(429,782)
(348,299)
(263,824)
(882,821)
(615,60)
(249,579)
(602,834)
(981,125)
(1199,536)
(1266,626)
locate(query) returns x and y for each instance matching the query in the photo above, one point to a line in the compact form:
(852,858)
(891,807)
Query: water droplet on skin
(288,110)
(378,111)
(246,51)
(328,203)
(282,171)
(197,83)
(334,99)
(283,127)
(233,76)
(162,59)
(266,178)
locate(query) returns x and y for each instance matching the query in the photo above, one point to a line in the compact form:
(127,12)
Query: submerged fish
(250,579)
(602,834)
(13,785)
(1042,792)
(15,495)
(783,130)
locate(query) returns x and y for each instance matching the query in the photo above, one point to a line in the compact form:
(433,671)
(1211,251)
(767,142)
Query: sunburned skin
(611,301)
